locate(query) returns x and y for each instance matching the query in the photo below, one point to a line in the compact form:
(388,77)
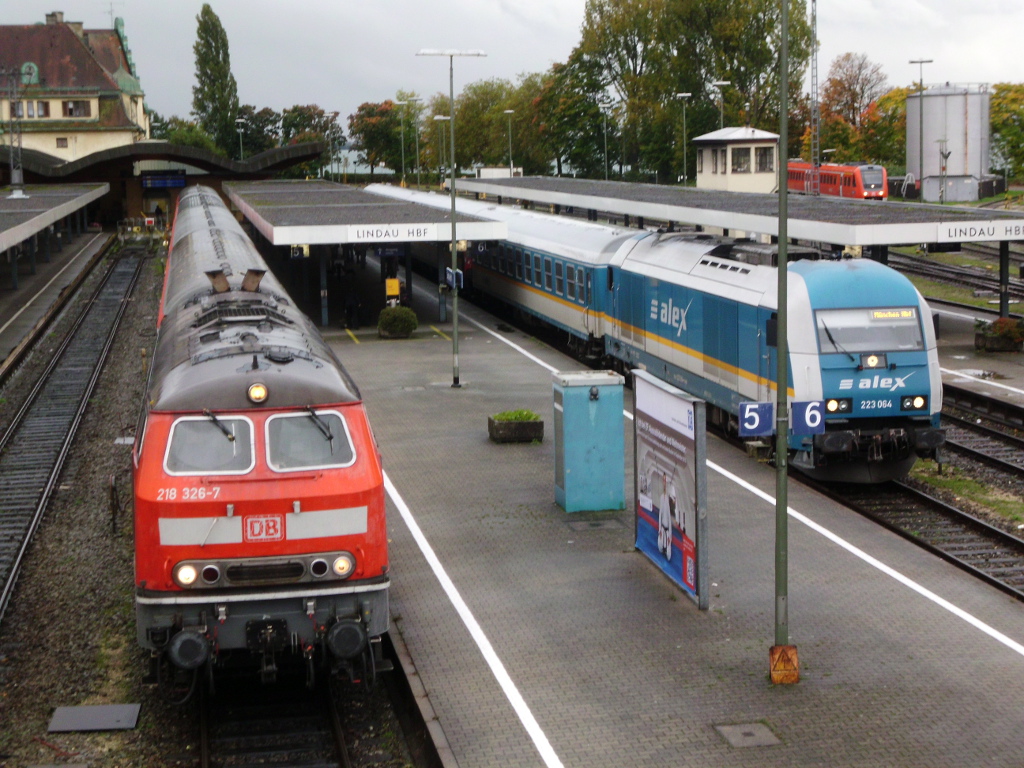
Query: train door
(628,308)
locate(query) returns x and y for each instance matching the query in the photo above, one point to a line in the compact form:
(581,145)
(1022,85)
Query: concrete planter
(996,343)
(515,431)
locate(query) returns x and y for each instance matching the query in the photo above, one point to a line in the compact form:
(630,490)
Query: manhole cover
(590,525)
(748,735)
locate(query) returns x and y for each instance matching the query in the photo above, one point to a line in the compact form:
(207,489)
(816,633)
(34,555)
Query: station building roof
(817,219)
(310,212)
(42,205)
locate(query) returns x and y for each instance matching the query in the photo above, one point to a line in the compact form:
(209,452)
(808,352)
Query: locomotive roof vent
(218,280)
(251,281)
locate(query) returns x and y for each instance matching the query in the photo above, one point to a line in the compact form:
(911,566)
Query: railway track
(36,442)
(247,724)
(986,552)
(991,446)
(945,273)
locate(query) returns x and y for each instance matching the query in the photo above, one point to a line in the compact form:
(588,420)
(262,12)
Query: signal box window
(700,161)
(741,159)
(765,159)
(310,440)
(77,109)
(210,445)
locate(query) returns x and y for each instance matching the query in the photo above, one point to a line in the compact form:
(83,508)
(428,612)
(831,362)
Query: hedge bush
(397,321)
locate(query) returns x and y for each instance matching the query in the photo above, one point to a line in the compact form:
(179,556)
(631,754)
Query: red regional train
(260,534)
(859,181)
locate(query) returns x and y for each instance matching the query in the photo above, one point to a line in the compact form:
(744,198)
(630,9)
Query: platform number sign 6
(809,418)
(755,419)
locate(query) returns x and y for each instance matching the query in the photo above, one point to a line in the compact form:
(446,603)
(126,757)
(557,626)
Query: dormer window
(77,108)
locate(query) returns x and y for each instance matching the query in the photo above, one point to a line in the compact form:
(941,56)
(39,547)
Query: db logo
(264,528)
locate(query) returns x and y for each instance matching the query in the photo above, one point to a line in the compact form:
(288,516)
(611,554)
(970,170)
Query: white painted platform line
(28,303)
(988,382)
(526,717)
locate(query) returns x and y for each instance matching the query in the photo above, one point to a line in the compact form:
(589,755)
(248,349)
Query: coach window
(547,274)
(519,264)
(310,440)
(559,284)
(741,159)
(528,267)
(765,159)
(570,281)
(536,269)
(210,445)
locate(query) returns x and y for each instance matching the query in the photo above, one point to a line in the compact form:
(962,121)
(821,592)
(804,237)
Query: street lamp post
(240,124)
(402,121)
(684,97)
(719,85)
(920,114)
(451,54)
(510,112)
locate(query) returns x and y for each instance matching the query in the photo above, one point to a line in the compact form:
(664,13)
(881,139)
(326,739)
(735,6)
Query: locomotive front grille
(263,573)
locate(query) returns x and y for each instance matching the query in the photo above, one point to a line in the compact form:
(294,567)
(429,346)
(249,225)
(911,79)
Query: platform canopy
(815,219)
(322,212)
(41,206)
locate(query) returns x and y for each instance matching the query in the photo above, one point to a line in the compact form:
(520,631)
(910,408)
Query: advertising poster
(669,445)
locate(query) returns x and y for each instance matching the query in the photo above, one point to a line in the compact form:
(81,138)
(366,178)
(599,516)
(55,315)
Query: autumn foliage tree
(215,94)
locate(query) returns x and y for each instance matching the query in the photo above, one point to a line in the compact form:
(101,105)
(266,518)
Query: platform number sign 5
(756,419)
(809,418)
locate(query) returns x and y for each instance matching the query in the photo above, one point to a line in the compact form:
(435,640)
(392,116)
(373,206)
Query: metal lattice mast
(815,106)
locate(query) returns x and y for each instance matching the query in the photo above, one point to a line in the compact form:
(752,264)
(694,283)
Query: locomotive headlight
(344,565)
(185,575)
(870,362)
(913,403)
(839,405)
(257,392)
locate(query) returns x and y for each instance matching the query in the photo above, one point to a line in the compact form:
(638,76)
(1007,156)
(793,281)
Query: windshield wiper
(322,426)
(220,426)
(834,344)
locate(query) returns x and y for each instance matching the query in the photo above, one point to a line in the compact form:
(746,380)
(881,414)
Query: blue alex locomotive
(699,311)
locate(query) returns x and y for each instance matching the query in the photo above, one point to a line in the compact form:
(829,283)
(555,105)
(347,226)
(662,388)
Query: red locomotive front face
(239,500)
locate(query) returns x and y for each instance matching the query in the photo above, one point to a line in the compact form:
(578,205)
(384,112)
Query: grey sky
(340,53)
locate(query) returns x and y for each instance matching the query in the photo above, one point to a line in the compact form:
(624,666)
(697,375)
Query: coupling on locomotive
(259,501)
(699,311)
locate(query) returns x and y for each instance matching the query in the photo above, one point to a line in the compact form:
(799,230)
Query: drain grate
(748,735)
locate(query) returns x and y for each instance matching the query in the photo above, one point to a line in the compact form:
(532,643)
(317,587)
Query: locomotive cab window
(308,440)
(883,329)
(210,445)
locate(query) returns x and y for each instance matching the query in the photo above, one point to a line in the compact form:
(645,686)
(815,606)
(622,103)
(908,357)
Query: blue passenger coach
(699,311)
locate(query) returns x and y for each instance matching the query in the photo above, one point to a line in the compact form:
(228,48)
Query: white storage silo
(956,120)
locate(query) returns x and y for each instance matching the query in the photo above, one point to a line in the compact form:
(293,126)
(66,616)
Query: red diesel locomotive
(259,497)
(859,181)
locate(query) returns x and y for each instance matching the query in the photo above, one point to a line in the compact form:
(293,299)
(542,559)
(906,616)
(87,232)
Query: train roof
(218,336)
(572,238)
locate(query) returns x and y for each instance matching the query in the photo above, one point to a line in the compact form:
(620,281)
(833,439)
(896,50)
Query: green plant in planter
(396,322)
(1002,328)
(520,415)
(519,426)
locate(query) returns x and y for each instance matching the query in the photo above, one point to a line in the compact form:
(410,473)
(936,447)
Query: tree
(480,124)
(375,130)
(187,133)
(570,116)
(883,132)
(306,123)
(215,96)
(260,130)
(853,83)
(1007,116)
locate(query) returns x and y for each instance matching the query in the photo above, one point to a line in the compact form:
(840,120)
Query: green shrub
(520,415)
(397,321)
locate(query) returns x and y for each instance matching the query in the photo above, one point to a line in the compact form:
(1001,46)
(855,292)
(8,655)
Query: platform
(543,638)
(21,309)
(997,374)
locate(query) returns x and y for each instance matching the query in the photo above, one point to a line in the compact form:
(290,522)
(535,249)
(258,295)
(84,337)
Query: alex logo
(892,383)
(263,528)
(670,314)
